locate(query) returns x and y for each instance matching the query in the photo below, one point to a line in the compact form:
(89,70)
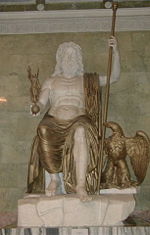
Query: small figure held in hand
(34,90)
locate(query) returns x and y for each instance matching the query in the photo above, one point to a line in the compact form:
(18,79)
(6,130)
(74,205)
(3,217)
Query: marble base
(131,190)
(69,211)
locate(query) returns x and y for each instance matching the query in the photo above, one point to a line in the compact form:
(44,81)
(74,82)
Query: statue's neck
(69,75)
(69,79)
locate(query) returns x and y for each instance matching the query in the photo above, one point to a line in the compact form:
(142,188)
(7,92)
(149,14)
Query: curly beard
(70,69)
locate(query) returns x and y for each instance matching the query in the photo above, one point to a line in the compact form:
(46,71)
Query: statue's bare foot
(52,187)
(81,192)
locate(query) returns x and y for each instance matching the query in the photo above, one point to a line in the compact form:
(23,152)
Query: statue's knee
(42,130)
(79,134)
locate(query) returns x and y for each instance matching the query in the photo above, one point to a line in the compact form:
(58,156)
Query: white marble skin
(64,92)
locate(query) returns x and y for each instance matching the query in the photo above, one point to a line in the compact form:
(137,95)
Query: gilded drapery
(52,148)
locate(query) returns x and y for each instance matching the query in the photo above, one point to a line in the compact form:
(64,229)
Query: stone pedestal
(69,211)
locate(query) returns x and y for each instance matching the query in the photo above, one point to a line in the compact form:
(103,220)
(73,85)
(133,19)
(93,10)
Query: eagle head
(115,127)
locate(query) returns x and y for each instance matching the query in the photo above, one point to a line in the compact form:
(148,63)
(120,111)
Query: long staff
(106,101)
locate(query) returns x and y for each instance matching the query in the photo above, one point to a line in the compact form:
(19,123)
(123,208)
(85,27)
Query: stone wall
(129,98)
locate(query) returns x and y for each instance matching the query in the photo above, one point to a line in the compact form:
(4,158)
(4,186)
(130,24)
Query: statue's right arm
(44,96)
(115,73)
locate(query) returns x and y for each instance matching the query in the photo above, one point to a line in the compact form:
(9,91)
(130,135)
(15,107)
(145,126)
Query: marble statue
(67,138)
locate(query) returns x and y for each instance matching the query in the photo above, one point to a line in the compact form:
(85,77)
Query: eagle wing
(138,149)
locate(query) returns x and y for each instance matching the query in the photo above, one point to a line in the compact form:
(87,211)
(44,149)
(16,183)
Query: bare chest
(67,87)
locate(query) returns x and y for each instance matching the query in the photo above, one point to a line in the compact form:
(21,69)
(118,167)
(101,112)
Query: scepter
(106,100)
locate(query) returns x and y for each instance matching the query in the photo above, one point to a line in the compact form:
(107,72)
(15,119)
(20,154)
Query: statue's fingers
(113,41)
(112,45)
(112,37)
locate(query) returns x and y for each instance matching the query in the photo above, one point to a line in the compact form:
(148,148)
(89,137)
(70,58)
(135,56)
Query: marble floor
(124,230)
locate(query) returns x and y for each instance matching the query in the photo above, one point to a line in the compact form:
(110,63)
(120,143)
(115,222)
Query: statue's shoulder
(48,83)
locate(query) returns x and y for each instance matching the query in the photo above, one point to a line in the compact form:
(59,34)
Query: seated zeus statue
(67,139)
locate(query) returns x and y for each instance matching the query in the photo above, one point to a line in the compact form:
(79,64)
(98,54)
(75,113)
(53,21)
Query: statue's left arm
(115,73)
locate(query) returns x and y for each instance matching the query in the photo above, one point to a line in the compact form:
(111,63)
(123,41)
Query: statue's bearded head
(68,60)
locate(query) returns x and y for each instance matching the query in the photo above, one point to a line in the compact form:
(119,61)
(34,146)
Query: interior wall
(129,98)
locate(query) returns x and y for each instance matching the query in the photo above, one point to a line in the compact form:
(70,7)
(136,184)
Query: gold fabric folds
(52,148)
(36,179)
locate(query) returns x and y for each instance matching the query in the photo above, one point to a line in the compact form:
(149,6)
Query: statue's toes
(82,194)
(50,193)
(86,198)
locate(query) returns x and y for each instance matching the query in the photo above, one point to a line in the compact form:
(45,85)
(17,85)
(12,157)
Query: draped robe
(52,148)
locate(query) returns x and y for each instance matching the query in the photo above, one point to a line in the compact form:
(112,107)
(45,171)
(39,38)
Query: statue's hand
(112,42)
(34,109)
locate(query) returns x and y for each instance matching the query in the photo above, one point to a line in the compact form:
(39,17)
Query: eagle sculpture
(117,147)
